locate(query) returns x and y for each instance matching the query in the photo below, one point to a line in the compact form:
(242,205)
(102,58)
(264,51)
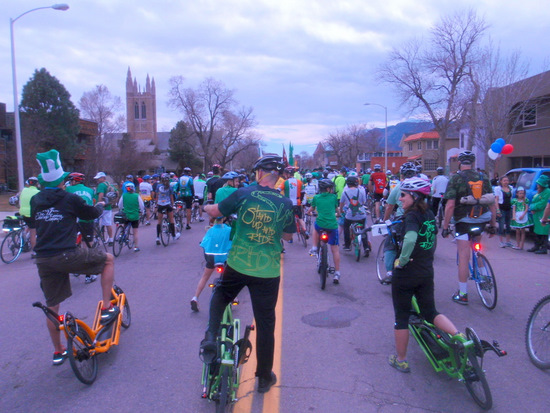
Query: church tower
(141,110)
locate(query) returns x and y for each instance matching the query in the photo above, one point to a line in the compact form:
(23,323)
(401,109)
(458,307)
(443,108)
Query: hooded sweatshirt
(55,212)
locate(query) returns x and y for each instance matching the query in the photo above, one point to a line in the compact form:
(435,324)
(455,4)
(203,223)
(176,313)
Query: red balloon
(507,149)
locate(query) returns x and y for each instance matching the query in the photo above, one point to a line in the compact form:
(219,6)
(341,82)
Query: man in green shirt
(131,204)
(365,179)
(25,208)
(340,183)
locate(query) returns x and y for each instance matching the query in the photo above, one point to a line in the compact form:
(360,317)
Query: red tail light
(324,237)
(219,269)
(477,246)
(78,238)
(60,318)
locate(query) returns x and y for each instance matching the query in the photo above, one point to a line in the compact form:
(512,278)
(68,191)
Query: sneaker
(265,384)
(136,249)
(306,234)
(541,251)
(90,278)
(194,305)
(201,219)
(110,243)
(313,251)
(147,223)
(509,244)
(109,314)
(178,235)
(535,248)
(388,278)
(503,245)
(188,226)
(346,248)
(336,279)
(59,358)
(402,366)
(158,241)
(516,247)
(290,241)
(208,348)
(460,298)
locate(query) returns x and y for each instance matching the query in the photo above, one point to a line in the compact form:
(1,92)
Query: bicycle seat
(475,231)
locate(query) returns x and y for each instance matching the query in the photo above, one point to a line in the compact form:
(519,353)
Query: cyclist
(106,219)
(55,212)
(326,204)
(340,182)
(264,218)
(311,188)
(458,188)
(231,180)
(199,187)
(292,188)
(439,186)
(365,178)
(25,209)
(164,197)
(377,184)
(131,204)
(145,191)
(185,191)
(214,183)
(129,179)
(413,273)
(420,174)
(352,202)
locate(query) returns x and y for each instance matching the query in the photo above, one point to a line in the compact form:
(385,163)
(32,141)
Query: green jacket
(537,206)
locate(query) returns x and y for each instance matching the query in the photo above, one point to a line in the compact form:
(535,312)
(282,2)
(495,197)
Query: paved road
(334,343)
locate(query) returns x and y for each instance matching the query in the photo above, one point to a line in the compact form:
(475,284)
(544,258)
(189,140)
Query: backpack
(475,193)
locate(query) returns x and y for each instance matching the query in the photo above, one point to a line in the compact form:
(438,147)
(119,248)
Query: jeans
(504,222)
(263,295)
(347,235)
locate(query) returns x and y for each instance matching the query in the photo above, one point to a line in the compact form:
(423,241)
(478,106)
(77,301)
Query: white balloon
(493,155)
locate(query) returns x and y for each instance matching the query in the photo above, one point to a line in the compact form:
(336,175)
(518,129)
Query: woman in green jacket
(537,206)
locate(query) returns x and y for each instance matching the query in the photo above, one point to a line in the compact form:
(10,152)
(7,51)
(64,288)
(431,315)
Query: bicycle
(459,356)
(179,214)
(300,233)
(481,271)
(537,334)
(323,267)
(220,376)
(17,239)
(308,220)
(124,234)
(165,233)
(84,343)
(386,230)
(195,211)
(357,232)
(100,237)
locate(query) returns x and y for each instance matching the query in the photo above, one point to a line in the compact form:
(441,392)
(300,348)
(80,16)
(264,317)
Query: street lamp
(386,134)
(18,144)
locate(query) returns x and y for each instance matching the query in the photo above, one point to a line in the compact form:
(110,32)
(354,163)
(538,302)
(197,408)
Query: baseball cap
(100,175)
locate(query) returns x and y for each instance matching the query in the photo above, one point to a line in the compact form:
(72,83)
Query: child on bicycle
(326,204)
(413,270)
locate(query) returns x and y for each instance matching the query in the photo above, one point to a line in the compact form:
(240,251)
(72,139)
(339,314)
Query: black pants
(402,291)
(347,235)
(541,242)
(263,294)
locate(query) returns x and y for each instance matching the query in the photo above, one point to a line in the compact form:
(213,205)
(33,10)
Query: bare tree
(100,106)
(210,110)
(432,77)
(349,142)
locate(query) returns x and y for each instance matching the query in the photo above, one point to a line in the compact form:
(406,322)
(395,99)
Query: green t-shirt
(326,204)
(365,179)
(130,206)
(25,200)
(263,214)
(87,194)
(223,193)
(339,184)
(103,188)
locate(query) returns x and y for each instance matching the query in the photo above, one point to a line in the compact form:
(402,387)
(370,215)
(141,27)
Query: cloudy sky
(305,66)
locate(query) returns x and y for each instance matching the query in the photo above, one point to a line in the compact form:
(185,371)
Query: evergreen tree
(180,147)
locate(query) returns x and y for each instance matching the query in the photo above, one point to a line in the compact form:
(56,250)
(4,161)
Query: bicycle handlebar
(50,314)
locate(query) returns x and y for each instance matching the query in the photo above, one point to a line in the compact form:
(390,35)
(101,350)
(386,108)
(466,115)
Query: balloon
(496,147)
(507,149)
(493,155)
(501,141)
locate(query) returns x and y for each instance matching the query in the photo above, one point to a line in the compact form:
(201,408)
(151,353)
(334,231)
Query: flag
(291,154)
(285,160)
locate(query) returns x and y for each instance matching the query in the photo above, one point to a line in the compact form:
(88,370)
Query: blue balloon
(501,142)
(496,147)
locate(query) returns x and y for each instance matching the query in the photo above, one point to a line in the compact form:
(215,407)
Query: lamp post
(18,142)
(385,135)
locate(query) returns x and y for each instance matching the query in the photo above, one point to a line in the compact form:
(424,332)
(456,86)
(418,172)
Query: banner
(291,154)
(285,160)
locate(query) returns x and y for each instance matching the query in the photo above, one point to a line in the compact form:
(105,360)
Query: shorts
(134,224)
(377,197)
(54,271)
(147,204)
(106,218)
(188,200)
(164,209)
(87,231)
(462,229)
(199,200)
(298,211)
(332,234)
(29,221)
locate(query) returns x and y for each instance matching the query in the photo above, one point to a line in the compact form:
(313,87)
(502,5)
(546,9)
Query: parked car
(527,178)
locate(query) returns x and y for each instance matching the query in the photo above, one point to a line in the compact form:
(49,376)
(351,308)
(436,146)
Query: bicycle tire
(380,264)
(357,247)
(308,223)
(302,238)
(11,247)
(486,284)
(83,363)
(222,401)
(165,233)
(537,334)
(323,273)
(476,383)
(130,237)
(118,241)
(126,315)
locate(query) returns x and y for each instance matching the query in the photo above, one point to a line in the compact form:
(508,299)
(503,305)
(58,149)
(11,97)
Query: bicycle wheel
(129,236)
(357,247)
(308,223)
(11,247)
(126,315)
(118,241)
(83,363)
(380,264)
(302,238)
(486,283)
(537,334)
(323,273)
(476,383)
(165,233)
(222,401)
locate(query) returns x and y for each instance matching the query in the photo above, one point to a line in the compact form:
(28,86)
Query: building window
(430,165)
(462,140)
(410,146)
(428,144)
(143,111)
(136,111)
(529,116)
(436,144)
(420,145)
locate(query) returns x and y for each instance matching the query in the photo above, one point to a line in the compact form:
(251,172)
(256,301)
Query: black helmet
(466,157)
(352,180)
(269,163)
(325,184)
(408,170)
(439,170)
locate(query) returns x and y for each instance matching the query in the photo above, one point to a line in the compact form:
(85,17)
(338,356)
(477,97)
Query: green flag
(291,154)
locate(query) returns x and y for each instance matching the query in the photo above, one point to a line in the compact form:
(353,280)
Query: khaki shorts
(54,271)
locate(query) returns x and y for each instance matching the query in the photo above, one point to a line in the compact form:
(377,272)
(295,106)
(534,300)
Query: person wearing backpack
(353,201)
(470,201)
(106,218)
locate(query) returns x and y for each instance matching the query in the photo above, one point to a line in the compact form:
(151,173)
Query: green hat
(543,181)
(52,171)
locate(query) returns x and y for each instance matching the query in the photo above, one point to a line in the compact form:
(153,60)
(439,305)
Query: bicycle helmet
(230,175)
(388,172)
(130,177)
(146,177)
(408,170)
(289,170)
(269,163)
(325,184)
(418,168)
(77,177)
(466,157)
(352,180)
(187,170)
(32,179)
(377,167)
(155,176)
(439,170)
(352,173)
(369,171)
(416,185)
(164,176)
(130,186)
(309,176)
